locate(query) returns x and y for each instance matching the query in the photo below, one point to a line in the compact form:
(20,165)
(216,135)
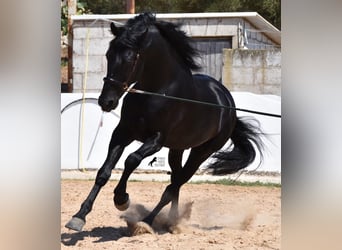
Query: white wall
(70,128)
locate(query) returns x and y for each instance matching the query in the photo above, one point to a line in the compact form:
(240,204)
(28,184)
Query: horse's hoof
(122,207)
(140,228)
(75,224)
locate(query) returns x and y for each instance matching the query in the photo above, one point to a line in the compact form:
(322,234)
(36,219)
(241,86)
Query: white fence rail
(92,154)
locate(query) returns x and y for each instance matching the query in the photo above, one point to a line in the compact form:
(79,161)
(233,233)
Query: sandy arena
(213,217)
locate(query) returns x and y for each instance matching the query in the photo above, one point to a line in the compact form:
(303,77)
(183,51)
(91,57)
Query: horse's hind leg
(175,162)
(151,146)
(171,193)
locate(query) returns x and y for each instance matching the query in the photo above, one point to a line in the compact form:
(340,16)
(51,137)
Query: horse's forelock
(134,29)
(142,19)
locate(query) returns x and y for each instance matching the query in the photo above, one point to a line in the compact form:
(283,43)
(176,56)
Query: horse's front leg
(150,146)
(117,144)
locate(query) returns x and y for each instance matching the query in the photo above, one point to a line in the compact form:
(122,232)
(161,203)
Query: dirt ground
(214,217)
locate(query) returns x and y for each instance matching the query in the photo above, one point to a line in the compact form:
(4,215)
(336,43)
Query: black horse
(158,57)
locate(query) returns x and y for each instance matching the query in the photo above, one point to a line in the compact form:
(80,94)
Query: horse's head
(123,64)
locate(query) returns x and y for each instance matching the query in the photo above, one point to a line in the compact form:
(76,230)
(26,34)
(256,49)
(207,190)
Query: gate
(211,54)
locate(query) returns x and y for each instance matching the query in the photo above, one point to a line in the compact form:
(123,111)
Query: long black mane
(171,32)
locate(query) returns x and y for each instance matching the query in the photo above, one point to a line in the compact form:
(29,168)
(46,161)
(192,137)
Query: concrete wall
(257,71)
(256,39)
(99,37)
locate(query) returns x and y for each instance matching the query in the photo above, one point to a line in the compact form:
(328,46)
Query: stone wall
(257,71)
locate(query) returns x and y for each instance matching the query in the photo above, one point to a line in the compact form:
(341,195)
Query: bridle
(123,84)
(115,82)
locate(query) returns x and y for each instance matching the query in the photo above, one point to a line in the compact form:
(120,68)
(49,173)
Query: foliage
(106,6)
(269,9)
(82,8)
(64,19)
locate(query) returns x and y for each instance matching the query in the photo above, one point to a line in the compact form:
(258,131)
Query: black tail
(243,153)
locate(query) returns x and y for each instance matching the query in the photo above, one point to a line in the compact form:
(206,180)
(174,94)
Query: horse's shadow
(103,233)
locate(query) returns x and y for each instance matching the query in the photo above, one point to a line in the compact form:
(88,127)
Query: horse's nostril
(110,103)
(102,102)
(107,104)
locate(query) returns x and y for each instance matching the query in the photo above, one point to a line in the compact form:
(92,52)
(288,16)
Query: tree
(82,8)
(269,9)
(106,6)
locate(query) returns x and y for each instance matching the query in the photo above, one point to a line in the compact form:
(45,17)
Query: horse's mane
(171,32)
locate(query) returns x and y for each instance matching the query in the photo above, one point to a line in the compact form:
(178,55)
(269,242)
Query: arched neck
(160,66)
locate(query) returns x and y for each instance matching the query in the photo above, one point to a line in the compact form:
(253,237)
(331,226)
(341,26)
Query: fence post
(71,11)
(130,6)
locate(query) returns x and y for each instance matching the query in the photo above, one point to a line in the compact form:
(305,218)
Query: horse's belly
(183,143)
(184,137)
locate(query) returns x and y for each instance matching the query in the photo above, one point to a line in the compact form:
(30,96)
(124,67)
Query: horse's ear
(115,30)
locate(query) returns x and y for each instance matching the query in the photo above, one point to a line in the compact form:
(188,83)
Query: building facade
(213,34)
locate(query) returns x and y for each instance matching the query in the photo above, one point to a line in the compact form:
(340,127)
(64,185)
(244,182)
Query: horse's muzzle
(107,105)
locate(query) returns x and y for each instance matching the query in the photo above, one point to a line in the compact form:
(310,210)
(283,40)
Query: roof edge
(165,15)
(253,17)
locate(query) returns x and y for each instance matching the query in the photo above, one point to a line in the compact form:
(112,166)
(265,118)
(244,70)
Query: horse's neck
(159,74)
(161,68)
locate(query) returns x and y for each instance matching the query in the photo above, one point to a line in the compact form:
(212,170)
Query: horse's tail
(243,153)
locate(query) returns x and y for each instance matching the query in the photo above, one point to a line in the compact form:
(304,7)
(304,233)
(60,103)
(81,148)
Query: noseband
(115,82)
(124,85)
